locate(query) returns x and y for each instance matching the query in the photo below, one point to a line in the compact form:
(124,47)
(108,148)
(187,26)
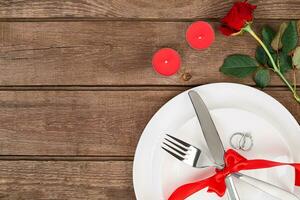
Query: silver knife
(212,138)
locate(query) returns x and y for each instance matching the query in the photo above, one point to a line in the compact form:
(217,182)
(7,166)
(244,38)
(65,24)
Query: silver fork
(186,153)
(194,157)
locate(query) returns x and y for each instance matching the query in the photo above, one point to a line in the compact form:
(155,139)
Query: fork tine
(173,154)
(175,149)
(175,144)
(179,141)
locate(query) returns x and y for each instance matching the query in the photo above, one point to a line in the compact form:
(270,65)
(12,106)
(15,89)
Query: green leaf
(285,62)
(296,58)
(261,56)
(276,43)
(290,37)
(262,78)
(239,65)
(268,35)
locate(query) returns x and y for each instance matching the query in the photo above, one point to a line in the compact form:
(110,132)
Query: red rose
(237,17)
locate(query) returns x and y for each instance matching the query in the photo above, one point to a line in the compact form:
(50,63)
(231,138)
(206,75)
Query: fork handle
(232,193)
(271,189)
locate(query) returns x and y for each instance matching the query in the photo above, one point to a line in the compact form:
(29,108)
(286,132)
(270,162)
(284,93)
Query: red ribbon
(234,162)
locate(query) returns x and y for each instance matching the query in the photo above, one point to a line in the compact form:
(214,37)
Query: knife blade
(212,138)
(208,127)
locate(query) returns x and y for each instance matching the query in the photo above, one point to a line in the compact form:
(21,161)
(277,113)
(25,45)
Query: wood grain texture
(109,53)
(29,180)
(75,123)
(83,123)
(156,9)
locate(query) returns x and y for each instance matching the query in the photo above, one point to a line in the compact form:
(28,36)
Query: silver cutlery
(194,157)
(212,138)
(263,186)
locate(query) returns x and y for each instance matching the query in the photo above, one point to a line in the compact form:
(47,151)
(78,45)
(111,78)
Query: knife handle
(232,193)
(271,189)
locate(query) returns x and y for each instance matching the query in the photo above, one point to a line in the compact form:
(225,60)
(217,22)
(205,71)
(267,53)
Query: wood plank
(84,123)
(109,53)
(156,9)
(66,180)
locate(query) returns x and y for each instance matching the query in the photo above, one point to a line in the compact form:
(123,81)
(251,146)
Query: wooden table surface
(77,87)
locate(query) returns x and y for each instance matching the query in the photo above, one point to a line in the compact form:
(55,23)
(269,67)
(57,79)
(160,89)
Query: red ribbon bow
(234,162)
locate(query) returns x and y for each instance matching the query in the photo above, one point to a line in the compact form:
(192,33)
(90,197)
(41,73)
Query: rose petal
(234,19)
(239,15)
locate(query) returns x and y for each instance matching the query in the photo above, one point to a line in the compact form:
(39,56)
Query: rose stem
(248,29)
(295,78)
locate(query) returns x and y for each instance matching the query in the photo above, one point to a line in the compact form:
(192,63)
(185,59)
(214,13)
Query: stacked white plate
(234,108)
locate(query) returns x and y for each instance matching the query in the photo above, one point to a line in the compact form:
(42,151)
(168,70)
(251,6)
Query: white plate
(234,108)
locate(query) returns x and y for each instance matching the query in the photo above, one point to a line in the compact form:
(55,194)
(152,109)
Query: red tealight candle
(166,61)
(200,35)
